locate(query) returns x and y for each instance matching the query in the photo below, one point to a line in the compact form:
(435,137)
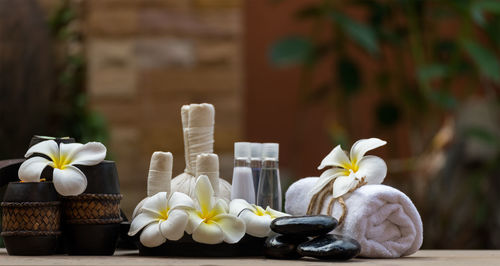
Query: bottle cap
(256,150)
(242,150)
(270,151)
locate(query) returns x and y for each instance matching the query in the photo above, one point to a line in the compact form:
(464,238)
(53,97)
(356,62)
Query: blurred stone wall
(145,59)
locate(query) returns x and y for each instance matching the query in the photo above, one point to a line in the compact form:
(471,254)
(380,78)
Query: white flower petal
(232,227)
(31,169)
(258,226)
(362,146)
(274,213)
(70,181)
(66,150)
(48,147)
(137,209)
(220,206)
(336,157)
(91,153)
(151,236)
(343,184)
(173,228)
(236,206)
(180,200)
(156,203)
(204,193)
(140,222)
(326,177)
(208,233)
(194,221)
(373,168)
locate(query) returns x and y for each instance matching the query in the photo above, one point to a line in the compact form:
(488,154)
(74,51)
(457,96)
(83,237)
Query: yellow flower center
(208,216)
(259,211)
(61,162)
(163,214)
(352,167)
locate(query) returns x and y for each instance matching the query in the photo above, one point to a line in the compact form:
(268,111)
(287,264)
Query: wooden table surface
(123,258)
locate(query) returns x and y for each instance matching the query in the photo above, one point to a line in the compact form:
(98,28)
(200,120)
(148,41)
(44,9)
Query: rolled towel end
(297,196)
(384,221)
(381,218)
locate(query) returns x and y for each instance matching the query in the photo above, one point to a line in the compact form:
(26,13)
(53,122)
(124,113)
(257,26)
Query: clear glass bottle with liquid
(269,192)
(242,186)
(256,164)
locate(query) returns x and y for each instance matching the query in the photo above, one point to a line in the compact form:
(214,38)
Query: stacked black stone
(300,236)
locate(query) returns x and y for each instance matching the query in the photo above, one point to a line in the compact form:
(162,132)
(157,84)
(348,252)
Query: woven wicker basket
(92,209)
(92,219)
(92,223)
(31,218)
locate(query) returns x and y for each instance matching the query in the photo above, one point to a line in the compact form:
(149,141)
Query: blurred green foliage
(430,57)
(408,31)
(72,110)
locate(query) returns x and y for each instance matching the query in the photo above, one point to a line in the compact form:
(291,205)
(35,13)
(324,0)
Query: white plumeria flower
(162,218)
(210,222)
(68,179)
(348,172)
(257,220)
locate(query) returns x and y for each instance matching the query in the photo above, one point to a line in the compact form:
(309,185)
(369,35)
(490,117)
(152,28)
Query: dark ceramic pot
(125,241)
(47,173)
(92,219)
(31,218)
(9,170)
(187,247)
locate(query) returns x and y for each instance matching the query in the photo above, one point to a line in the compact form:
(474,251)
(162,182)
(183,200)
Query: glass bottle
(242,185)
(269,192)
(256,164)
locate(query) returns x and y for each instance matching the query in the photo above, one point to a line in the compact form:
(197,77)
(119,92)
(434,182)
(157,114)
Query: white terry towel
(198,128)
(381,218)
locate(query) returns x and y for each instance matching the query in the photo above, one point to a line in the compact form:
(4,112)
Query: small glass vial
(256,164)
(242,186)
(269,192)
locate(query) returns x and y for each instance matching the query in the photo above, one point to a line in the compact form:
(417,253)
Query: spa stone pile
(300,236)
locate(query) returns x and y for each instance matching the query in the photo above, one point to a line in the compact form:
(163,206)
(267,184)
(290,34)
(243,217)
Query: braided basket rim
(93,197)
(109,198)
(30,233)
(28,204)
(95,221)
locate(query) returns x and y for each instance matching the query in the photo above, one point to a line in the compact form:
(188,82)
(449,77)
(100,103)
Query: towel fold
(198,129)
(381,218)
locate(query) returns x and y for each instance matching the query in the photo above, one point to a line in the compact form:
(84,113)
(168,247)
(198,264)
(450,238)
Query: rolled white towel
(381,218)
